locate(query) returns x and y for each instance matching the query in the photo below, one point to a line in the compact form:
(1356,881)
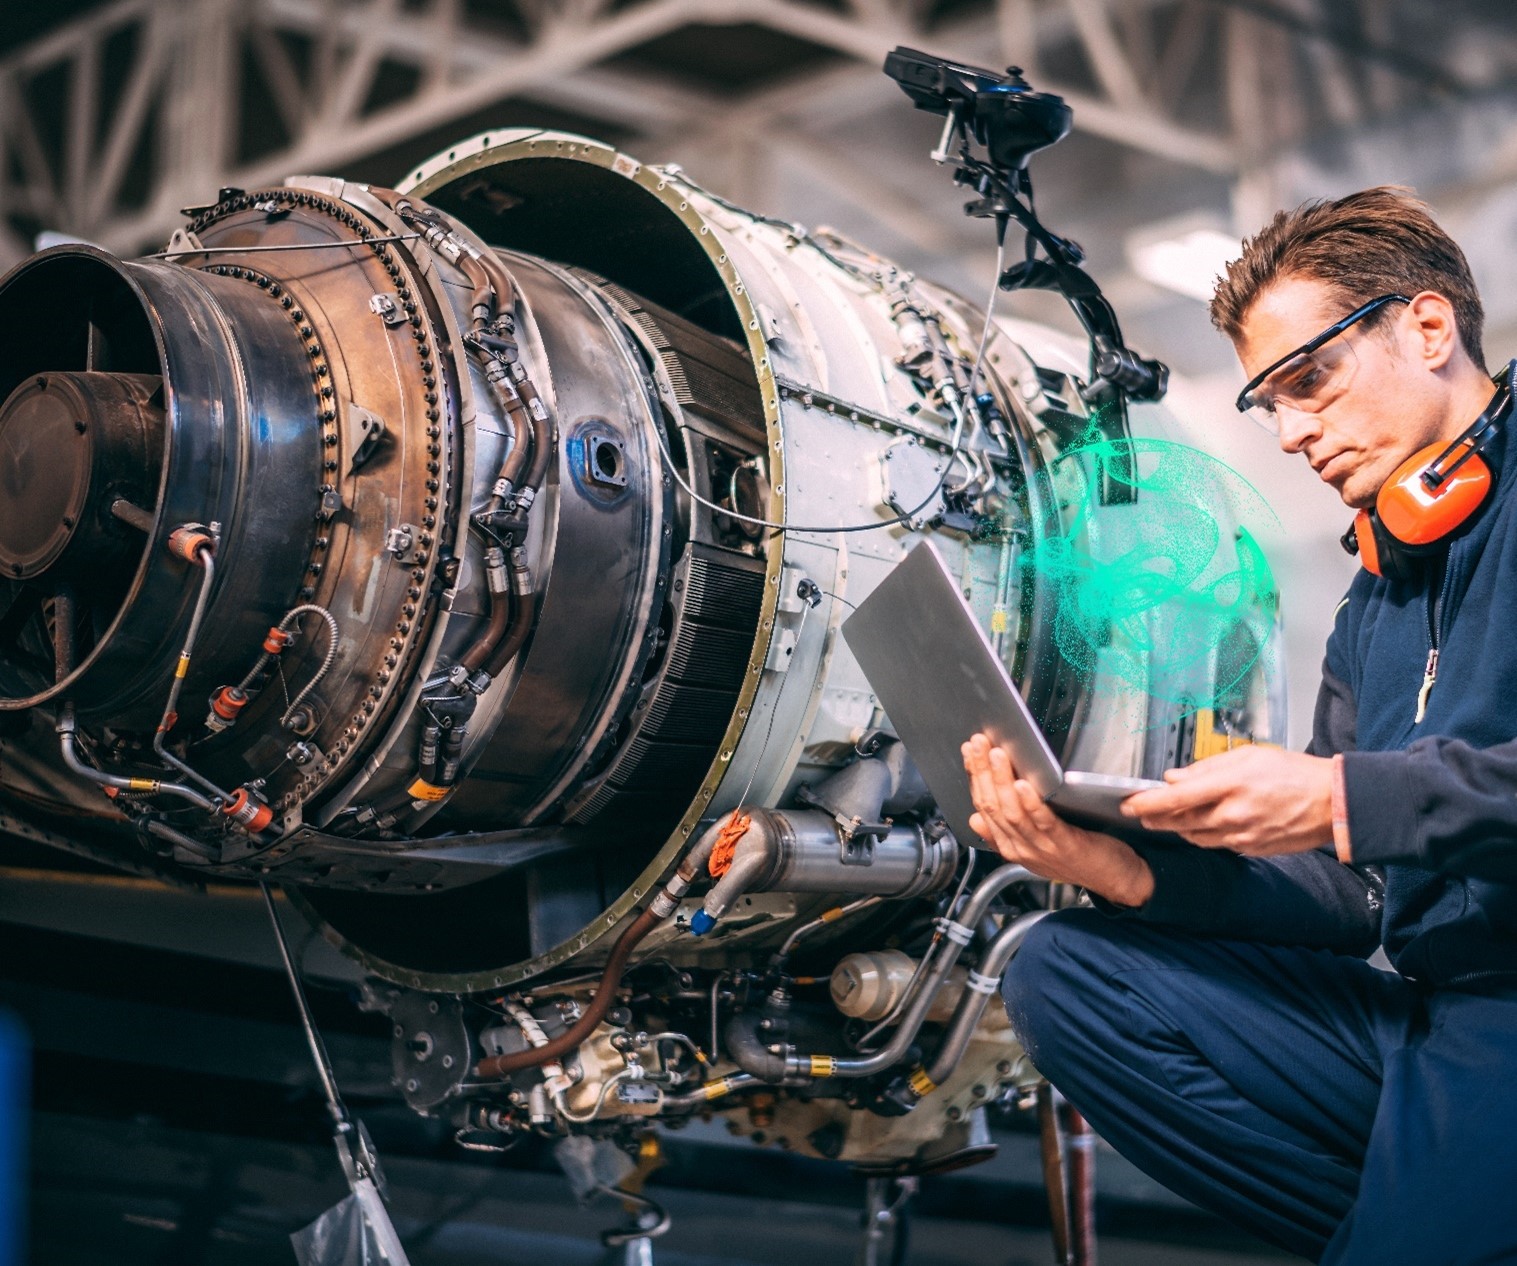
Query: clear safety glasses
(1311,377)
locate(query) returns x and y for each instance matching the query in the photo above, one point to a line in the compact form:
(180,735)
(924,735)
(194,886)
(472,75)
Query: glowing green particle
(1161,593)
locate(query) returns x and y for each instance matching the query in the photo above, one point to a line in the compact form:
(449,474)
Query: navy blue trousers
(1333,1109)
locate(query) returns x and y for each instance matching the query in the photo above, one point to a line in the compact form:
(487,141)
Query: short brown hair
(1378,241)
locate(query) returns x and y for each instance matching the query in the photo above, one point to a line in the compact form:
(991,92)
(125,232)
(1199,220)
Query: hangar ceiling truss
(111,123)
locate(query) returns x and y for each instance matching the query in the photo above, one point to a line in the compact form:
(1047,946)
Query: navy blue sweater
(1432,804)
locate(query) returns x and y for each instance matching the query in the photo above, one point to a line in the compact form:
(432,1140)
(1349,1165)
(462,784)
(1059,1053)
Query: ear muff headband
(1428,497)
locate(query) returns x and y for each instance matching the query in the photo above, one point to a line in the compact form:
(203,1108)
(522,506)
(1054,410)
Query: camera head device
(1005,114)
(1010,121)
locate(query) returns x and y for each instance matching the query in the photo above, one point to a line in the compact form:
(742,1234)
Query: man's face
(1388,409)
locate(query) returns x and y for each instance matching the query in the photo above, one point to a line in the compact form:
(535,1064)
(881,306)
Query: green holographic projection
(1170,593)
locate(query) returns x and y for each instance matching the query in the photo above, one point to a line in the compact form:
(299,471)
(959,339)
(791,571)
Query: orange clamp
(228,702)
(277,640)
(248,811)
(188,541)
(725,848)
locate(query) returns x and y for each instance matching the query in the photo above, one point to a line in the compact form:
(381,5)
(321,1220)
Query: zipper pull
(1429,676)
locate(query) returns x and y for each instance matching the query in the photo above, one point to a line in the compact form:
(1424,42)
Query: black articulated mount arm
(1009,121)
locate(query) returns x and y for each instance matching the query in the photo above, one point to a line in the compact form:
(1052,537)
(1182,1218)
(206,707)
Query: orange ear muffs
(1428,496)
(1418,507)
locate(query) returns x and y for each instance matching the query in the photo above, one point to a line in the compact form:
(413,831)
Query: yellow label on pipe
(921,1084)
(823,1065)
(143,784)
(1212,741)
(421,789)
(184,667)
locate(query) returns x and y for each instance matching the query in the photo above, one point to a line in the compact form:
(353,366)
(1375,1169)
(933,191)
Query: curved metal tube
(498,1066)
(821,921)
(205,557)
(983,982)
(67,739)
(165,832)
(957,933)
(717,1089)
(520,625)
(267,657)
(750,1054)
(659,909)
(620,1238)
(753,859)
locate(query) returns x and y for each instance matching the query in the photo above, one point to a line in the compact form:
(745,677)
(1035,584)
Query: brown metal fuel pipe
(662,906)
(542,434)
(522,437)
(521,625)
(501,282)
(479,653)
(483,302)
(497,1066)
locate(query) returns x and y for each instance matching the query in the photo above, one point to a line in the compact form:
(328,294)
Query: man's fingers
(1038,813)
(1002,841)
(1177,798)
(981,785)
(1003,776)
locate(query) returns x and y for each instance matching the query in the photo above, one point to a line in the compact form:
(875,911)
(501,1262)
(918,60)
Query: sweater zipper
(1434,628)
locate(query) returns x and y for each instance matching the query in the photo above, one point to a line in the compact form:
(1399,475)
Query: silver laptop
(939,679)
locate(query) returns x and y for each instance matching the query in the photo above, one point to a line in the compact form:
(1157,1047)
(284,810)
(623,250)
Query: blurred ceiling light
(1186,256)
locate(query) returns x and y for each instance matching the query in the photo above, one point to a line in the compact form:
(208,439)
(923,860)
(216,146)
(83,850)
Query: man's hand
(1013,819)
(1258,801)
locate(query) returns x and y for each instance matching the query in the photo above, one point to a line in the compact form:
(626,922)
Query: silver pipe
(165,832)
(68,742)
(983,982)
(866,1040)
(957,933)
(801,852)
(205,558)
(831,916)
(717,1089)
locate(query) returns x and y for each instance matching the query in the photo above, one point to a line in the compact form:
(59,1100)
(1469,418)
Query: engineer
(1213,1015)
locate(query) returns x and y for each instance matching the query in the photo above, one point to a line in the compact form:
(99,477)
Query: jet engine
(468,560)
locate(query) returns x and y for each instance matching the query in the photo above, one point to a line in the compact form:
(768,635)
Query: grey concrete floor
(126,1193)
